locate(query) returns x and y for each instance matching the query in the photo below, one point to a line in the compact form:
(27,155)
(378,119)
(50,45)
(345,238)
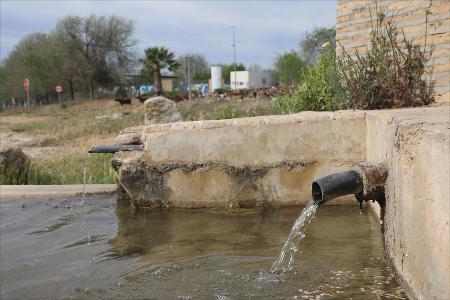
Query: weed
(390,75)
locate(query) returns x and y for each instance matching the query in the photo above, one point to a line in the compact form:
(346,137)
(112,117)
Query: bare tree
(104,43)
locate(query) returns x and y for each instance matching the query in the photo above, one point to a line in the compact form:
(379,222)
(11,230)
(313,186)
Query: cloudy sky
(263,28)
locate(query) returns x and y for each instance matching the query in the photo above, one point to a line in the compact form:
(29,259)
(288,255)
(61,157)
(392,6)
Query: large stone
(13,165)
(161,110)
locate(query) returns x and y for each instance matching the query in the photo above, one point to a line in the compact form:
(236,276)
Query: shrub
(390,75)
(319,90)
(221,91)
(226,113)
(14,175)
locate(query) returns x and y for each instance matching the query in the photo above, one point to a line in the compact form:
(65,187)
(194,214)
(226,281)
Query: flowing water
(85,203)
(186,254)
(285,260)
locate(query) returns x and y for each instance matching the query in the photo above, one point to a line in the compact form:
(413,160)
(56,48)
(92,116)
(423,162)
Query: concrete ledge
(25,192)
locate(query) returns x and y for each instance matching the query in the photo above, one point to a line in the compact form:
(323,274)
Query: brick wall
(353,26)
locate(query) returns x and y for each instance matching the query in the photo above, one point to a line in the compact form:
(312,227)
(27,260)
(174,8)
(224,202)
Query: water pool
(186,254)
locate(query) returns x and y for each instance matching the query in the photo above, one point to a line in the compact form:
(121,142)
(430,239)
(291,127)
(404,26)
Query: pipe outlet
(365,180)
(115,148)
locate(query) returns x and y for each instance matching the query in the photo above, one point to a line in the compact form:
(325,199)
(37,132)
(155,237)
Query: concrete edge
(29,192)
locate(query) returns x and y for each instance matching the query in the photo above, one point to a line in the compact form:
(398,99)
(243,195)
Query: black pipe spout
(365,180)
(336,185)
(115,148)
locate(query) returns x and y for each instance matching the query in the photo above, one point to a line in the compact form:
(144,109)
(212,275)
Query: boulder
(13,165)
(161,110)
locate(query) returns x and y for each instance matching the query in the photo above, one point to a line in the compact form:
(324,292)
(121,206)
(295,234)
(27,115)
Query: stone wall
(353,27)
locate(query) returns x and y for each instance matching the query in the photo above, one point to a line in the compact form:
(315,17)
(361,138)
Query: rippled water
(186,254)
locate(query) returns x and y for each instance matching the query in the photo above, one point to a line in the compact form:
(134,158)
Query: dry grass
(207,109)
(69,131)
(61,135)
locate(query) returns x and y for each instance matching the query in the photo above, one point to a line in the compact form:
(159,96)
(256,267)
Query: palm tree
(156,59)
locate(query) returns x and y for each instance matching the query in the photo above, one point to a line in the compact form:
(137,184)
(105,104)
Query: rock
(130,136)
(161,110)
(13,166)
(129,139)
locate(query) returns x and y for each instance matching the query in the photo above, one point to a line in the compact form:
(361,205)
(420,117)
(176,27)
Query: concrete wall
(353,27)
(241,162)
(272,160)
(415,143)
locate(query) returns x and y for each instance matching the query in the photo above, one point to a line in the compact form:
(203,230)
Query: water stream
(84,201)
(285,260)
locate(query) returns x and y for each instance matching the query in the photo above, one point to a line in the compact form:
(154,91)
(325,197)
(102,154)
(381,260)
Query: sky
(263,28)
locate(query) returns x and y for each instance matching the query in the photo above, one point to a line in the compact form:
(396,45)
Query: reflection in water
(183,254)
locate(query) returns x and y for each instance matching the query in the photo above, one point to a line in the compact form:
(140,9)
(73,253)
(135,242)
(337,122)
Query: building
(250,79)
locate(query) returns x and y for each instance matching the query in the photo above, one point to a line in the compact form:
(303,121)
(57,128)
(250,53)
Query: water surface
(186,254)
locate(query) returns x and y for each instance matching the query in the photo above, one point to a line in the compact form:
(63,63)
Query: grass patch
(216,109)
(69,170)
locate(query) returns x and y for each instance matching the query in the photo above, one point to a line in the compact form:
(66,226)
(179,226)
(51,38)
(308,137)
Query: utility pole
(234,50)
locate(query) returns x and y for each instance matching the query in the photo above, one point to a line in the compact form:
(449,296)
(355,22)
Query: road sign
(26,84)
(59,89)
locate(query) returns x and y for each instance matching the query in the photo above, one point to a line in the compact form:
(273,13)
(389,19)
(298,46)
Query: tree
(288,68)
(35,57)
(157,59)
(311,45)
(199,67)
(227,69)
(320,89)
(104,43)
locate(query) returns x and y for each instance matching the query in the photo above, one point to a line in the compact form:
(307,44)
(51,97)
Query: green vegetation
(226,113)
(62,136)
(288,68)
(312,43)
(66,169)
(80,53)
(320,89)
(9,175)
(156,59)
(390,75)
(235,107)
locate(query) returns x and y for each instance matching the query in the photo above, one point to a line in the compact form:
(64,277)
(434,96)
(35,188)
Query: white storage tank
(216,78)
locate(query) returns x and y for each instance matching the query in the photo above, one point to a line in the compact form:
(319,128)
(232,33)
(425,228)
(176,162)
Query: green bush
(14,175)
(221,91)
(390,75)
(320,89)
(226,113)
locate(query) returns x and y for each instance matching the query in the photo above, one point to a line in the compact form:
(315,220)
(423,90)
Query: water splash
(285,260)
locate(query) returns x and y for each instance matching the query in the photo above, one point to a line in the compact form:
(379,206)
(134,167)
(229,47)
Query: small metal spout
(335,185)
(115,148)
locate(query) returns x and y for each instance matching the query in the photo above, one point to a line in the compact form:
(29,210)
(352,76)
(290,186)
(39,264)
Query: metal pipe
(335,185)
(115,148)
